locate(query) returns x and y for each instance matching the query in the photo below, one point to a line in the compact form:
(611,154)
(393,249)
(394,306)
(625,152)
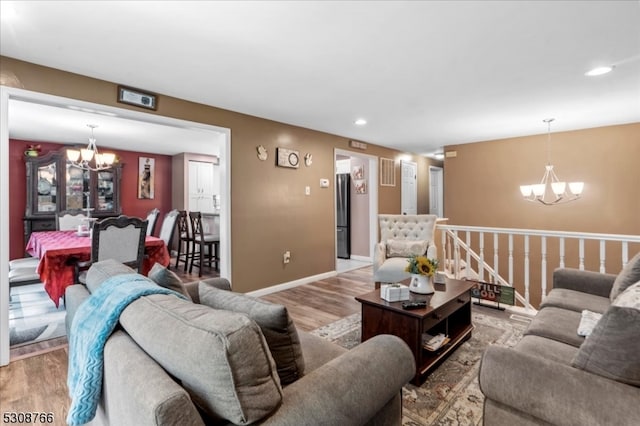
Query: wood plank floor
(37,382)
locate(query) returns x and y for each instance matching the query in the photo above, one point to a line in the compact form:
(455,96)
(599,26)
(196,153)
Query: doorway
(436,191)
(409,194)
(7,94)
(362,171)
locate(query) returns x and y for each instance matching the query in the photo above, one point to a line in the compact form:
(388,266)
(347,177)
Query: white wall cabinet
(195,183)
(203,187)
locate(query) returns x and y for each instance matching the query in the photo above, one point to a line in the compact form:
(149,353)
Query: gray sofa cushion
(221,357)
(549,349)
(100,271)
(168,279)
(574,300)
(557,324)
(629,275)
(277,327)
(613,348)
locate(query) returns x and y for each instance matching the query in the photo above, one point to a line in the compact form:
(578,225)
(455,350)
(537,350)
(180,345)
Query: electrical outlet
(307,190)
(286,257)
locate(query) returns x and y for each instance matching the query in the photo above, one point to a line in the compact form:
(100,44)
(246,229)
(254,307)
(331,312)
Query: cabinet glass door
(105,191)
(46,187)
(78,181)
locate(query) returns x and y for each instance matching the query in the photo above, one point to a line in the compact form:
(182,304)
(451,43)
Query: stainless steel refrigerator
(343,215)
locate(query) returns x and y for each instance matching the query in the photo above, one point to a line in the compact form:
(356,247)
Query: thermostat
(135,97)
(324,183)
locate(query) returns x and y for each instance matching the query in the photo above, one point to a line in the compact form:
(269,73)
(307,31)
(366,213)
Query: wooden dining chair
(120,238)
(69,220)
(152,219)
(185,239)
(205,247)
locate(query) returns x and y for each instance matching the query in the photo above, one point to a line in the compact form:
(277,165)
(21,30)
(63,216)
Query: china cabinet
(53,185)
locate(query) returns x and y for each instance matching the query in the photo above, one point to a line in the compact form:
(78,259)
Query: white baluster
(543,266)
(495,257)
(526,271)
(481,263)
(581,253)
(562,252)
(511,260)
(625,253)
(443,243)
(602,256)
(468,267)
(456,254)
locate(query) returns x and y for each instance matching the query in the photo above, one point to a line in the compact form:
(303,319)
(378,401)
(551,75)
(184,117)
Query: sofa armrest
(74,295)
(350,389)
(379,255)
(127,370)
(432,251)
(585,281)
(555,392)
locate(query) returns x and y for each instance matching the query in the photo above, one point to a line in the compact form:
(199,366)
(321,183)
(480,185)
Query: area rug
(33,317)
(450,395)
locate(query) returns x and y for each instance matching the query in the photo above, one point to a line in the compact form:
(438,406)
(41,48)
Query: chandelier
(82,158)
(551,190)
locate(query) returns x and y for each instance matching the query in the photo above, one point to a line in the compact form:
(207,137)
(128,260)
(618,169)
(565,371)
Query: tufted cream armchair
(402,236)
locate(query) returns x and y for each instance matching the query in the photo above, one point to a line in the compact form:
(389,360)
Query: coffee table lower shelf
(431,359)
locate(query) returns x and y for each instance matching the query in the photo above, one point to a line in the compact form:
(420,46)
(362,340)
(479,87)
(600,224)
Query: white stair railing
(553,252)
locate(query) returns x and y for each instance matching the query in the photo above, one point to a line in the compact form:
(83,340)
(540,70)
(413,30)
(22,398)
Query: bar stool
(205,246)
(185,239)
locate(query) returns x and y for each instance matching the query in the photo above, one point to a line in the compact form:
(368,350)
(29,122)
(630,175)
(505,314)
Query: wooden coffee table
(448,311)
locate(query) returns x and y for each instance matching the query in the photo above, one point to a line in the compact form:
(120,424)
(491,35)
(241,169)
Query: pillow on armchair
(406,248)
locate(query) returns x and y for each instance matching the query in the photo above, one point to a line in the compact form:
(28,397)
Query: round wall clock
(293,159)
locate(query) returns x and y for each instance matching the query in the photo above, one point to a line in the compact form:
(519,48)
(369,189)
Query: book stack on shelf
(433,343)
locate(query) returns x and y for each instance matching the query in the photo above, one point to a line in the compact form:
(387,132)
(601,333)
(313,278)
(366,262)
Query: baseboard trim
(361,258)
(291,284)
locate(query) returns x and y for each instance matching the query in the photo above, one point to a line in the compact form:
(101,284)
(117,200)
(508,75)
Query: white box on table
(394,292)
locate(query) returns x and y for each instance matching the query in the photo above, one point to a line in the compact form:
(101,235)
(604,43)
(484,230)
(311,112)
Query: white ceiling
(424,74)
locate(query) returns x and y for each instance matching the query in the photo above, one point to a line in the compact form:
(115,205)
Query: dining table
(59,251)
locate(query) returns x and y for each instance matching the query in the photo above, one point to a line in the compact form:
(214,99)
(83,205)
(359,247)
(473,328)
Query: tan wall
(270,213)
(482,189)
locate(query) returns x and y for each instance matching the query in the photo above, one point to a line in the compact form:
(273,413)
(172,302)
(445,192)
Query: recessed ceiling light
(360,122)
(599,71)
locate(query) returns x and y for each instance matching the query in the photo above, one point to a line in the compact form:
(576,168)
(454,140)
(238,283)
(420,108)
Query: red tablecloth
(56,248)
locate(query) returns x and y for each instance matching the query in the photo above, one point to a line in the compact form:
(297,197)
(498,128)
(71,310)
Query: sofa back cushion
(629,275)
(613,348)
(274,321)
(407,227)
(100,271)
(220,357)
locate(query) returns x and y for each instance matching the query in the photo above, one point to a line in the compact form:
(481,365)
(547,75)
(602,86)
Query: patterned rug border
(439,401)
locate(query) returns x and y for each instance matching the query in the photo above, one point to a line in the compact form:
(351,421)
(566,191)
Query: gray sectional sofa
(553,375)
(227,358)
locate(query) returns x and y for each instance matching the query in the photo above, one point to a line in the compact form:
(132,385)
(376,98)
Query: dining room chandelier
(551,190)
(89,158)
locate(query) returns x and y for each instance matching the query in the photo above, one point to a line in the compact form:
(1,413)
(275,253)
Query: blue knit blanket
(92,325)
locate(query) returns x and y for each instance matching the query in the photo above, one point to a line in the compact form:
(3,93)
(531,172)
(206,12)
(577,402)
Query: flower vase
(421,284)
